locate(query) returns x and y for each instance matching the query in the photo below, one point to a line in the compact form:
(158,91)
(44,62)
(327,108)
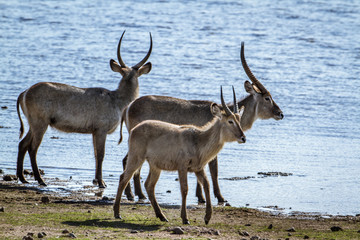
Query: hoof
(102,184)
(221,201)
(142,198)
(23,180)
(206,222)
(201,201)
(186,222)
(117,216)
(164,219)
(42,184)
(130,198)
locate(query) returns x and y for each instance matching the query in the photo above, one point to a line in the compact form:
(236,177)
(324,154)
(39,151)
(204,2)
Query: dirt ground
(32,213)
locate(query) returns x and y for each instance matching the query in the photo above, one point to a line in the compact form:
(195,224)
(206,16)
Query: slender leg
(184,191)
(33,148)
(133,165)
(205,182)
(128,192)
(153,177)
(99,139)
(199,194)
(213,167)
(137,186)
(23,148)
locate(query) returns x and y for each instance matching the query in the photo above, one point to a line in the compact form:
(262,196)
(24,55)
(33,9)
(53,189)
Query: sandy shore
(32,212)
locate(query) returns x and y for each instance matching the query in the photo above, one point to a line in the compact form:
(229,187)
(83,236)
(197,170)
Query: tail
(121,124)
(18,112)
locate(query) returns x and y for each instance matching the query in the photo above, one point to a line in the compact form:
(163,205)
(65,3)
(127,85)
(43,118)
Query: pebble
(9,177)
(2,209)
(65,231)
(72,235)
(178,230)
(45,199)
(306,237)
(27,238)
(255,238)
(270,226)
(134,231)
(244,234)
(336,229)
(291,229)
(41,234)
(168,191)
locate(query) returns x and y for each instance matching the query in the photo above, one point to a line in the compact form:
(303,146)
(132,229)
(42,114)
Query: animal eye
(267,99)
(230,122)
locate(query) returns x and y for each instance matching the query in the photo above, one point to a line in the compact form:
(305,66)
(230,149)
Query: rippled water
(307,53)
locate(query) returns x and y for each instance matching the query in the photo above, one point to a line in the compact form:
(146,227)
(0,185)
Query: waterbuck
(95,111)
(258,104)
(182,148)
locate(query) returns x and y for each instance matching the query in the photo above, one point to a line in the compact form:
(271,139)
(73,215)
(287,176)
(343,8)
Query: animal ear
(241,112)
(215,110)
(145,69)
(116,67)
(252,89)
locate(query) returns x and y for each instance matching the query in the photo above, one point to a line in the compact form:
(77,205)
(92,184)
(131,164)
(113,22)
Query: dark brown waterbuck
(95,111)
(258,104)
(182,148)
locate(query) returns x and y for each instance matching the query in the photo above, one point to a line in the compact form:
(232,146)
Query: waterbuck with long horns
(182,148)
(258,104)
(95,111)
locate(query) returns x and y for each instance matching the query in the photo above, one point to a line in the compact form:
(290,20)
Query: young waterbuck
(95,111)
(258,104)
(182,148)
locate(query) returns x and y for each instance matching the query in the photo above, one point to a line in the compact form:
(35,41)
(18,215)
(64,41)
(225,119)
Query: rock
(105,198)
(358,231)
(244,234)
(1,171)
(45,199)
(255,238)
(133,231)
(65,231)
(247,225)
(217,232)
(27,172)
(4,107)
(306,237)
(178,230)
(27,238)
(2,209)
(336,229)
(9,178)
(291,230)
(168,191)
(72,235)
(41,234)
(270,226)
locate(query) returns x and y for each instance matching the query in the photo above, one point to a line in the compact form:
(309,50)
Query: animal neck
(250,112)
(128,90)
(210,141)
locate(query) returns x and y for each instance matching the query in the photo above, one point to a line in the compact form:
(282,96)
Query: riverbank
(34,213)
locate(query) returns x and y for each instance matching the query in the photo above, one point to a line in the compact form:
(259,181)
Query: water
(306,53)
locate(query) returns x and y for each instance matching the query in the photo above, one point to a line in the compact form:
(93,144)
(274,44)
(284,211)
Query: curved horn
(236,109)
(249,73)
(225,107)
(121,62)
(137,66)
